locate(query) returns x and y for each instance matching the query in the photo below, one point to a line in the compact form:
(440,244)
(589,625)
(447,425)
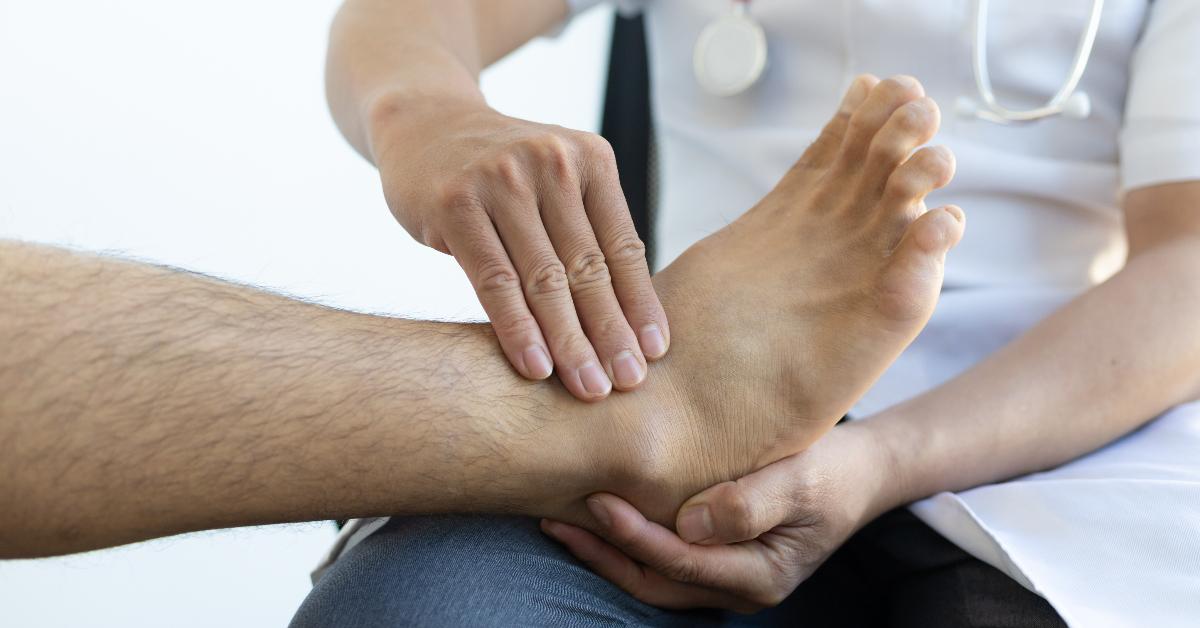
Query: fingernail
(627,370)
(654,343)
(537,363)
(955,212)
(696,524)
(906,81)
(594,380)
(596,507)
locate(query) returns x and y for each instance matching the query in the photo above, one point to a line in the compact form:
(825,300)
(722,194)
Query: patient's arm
(138,401)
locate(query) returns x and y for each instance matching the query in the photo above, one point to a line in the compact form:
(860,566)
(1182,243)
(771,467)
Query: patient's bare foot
(784,318)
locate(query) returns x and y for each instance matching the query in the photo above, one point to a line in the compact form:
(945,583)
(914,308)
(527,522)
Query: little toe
(929,169)
(883,100)
(909,126)
(910,284)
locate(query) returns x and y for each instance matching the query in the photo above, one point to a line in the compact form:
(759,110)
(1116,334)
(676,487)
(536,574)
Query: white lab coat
(1112,539)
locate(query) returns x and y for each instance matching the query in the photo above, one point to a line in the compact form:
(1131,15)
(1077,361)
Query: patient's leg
(471,571)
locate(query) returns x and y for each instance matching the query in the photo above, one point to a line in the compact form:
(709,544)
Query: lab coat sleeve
(1160,140)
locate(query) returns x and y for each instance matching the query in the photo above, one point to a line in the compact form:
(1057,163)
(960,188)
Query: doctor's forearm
(1102,366)
(399,55)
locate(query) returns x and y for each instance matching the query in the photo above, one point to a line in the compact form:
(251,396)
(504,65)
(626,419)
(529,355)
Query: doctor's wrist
(900,453)
(408,120)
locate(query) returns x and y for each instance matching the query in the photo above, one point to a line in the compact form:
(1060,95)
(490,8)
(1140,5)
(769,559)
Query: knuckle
(511,324)
(588,271)
(740,515)
(905,185)
(553,153)
(599,149)
(505,170)
(496,276)
(610,332)
(628,250)
(554,144)
(682,569)
(460,196)
(547,277)
(938,161)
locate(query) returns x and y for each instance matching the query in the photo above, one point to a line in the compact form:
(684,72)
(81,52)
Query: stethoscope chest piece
(730,54)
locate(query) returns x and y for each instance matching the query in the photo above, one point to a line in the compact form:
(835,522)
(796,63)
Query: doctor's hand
(752,541)
(536,217)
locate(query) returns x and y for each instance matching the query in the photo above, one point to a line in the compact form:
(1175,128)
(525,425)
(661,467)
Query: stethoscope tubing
(992,110)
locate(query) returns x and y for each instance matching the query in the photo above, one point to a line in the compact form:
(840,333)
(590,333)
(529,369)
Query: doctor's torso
(1041,198)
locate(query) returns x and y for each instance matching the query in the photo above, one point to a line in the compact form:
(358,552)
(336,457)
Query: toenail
(594,380)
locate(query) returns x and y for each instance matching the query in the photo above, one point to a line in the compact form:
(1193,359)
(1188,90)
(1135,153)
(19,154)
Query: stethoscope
(731,55)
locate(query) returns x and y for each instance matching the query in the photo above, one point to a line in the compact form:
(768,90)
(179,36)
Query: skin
(141,401)
(533,213)
(995,421)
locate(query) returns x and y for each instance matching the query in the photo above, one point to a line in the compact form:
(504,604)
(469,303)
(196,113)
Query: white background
(196,134)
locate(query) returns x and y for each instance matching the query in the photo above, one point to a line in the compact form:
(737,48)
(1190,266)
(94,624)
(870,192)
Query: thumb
(740,510)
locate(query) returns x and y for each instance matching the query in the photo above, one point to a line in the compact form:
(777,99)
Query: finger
(623,250)
(477,247)
(743,509)
(642,583)
(725,567)
(591,284)
(883,100)
(548,294)
(827,144)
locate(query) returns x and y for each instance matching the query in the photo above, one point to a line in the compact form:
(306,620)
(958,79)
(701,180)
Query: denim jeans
(501,571)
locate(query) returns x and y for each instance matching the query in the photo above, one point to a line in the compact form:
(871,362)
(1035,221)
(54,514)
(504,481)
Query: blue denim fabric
(467,571)
(470,571)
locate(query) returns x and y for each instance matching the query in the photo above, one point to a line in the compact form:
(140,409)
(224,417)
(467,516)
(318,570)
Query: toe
(910,125)
(929,169)
(911,282)
(883,100)
(824,150)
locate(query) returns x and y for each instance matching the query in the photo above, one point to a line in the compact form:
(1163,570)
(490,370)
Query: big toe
(912,280)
